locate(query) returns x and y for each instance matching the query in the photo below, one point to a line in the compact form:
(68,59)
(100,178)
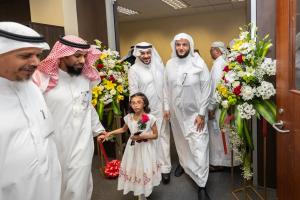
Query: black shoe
(202,194)
(165,178)
(178,171)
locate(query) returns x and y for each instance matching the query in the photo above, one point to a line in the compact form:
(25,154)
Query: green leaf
(100,109)
(239,123)
(222,117)
(116,108)
(110,117)
(247,134)
(266,109)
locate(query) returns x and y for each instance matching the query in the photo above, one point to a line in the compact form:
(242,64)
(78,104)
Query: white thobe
(187,90)
(76,123)
(143,79)
(217,156)
(29,166)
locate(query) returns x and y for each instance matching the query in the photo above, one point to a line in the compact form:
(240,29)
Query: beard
(184,55)
(74,71)
(28,70)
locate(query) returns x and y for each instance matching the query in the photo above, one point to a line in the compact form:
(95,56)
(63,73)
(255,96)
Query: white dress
(139,171)
(143,78)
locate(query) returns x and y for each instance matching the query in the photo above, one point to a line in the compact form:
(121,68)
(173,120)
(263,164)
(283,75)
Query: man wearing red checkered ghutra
(66,77)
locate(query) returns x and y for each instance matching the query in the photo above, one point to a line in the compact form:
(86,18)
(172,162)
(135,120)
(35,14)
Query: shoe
(165,178)
(178,171)
(216,168)
(202,194)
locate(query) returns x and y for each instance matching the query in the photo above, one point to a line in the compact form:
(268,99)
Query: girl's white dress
(140,170)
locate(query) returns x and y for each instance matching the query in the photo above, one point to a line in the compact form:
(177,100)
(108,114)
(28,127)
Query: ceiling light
(176,4)
(126,11)
(237,0)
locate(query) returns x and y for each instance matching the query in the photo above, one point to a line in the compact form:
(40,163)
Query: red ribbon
(112,168)
(224,142)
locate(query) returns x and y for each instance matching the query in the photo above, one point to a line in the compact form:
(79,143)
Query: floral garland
(245,91)
(114,81)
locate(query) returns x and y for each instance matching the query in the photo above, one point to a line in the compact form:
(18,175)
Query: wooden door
(288,99)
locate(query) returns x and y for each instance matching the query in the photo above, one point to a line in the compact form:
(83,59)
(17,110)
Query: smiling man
(29,166)
(66,77)
(146,76)
(187,89)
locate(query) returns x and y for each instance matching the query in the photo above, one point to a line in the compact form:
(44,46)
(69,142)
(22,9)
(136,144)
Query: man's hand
(167,115)
(199,122)
(102,136)
(211,114)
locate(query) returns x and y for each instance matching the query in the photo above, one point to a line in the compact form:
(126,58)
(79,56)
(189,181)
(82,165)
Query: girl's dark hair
(145,100)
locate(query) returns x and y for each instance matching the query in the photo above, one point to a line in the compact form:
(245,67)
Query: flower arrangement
(114,82)
(244,91)
(142,123)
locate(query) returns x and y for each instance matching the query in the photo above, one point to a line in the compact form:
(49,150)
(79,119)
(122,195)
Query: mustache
(29,68)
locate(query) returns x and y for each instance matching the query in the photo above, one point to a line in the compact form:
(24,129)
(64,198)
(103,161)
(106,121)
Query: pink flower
(145,118)
(100,66)
(239,59)
(226,68)
(237,90)
(112,78)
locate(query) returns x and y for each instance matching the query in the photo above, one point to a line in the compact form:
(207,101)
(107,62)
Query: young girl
(140,170)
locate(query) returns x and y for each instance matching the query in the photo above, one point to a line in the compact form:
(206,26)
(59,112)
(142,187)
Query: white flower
(269,66)
(218,97)
(247,92)
(246,110)
(265,90)
(230,76)
(243,35)
(235,84)
(119,80)
(110,72)
(113,92)
(225,104)
(101,73)
(259,74)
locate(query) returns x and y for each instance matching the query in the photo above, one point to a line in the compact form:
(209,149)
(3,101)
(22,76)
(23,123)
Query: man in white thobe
(187,89)
(146,76)
(66,77)
(29,165)
(219,146)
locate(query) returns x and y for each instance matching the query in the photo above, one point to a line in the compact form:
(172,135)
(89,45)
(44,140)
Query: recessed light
(126,11)
(176,4)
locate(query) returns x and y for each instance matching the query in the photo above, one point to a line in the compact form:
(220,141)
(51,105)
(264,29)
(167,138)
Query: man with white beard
(146,76)
(66,77)
(187,89)
(219,152)
(29,165)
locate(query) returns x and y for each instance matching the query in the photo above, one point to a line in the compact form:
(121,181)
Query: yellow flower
(94,102)
(110,85)
(120,97)
(237,45)
(120,88)
(103,56)
(223,90)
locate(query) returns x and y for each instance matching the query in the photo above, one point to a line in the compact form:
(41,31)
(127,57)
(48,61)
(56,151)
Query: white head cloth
(220,45)
(155,58)
(156,65)
(12,42)
(196,58)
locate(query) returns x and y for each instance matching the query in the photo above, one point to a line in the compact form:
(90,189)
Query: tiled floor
(219,186)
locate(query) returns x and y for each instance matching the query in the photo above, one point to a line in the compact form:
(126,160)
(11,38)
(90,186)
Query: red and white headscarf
(50,65)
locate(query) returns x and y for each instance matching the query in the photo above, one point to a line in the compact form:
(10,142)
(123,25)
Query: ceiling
(150,9)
